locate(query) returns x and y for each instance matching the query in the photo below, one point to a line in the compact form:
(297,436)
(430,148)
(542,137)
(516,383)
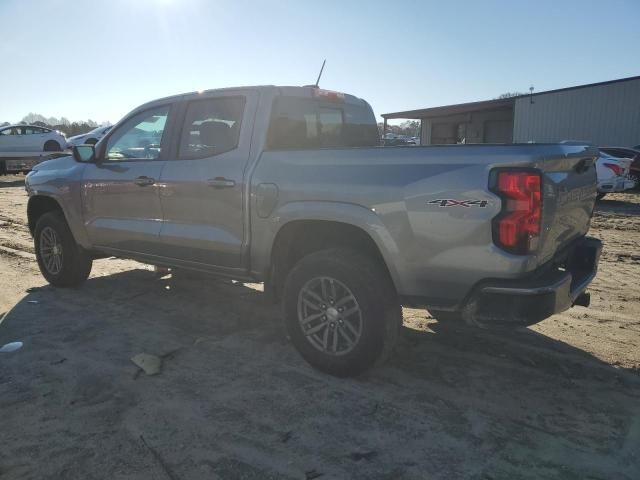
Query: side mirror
(84,153)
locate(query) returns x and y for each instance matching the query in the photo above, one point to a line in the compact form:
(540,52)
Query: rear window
(303,124)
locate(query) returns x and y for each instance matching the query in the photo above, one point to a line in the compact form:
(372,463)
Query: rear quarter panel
(437,251)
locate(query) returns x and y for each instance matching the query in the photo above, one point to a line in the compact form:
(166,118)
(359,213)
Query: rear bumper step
(546,292)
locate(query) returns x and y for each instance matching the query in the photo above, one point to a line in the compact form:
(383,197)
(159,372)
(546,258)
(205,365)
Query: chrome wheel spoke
(50,251)
(346,337)
(335,340)
(349,327)
(351,311)
(311,318)
(344,301)
(310,304)
(313,295)
(325,338)
(317,328)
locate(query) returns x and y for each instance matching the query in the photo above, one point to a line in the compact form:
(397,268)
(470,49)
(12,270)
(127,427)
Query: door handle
(221,182)
(144,181)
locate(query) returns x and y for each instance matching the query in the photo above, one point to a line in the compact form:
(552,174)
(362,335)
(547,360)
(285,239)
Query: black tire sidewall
(52,146)
(75,263)
(365,282)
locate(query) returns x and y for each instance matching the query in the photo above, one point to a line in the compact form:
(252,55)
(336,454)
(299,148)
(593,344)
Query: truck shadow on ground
(512,403)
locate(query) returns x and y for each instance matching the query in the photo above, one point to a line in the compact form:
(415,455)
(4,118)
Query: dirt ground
(234,400)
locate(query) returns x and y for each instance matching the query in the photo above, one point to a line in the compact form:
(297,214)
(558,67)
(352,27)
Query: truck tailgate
(568,199)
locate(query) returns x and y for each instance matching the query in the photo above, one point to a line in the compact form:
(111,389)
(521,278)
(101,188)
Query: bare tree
(508,95)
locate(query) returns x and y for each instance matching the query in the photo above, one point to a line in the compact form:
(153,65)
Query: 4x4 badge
(449,202)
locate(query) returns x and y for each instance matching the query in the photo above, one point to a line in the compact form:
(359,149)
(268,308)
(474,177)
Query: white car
(89,138)
(613,174)
(30,138)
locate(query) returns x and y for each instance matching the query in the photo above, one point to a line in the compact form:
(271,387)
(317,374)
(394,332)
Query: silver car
(30,138)
(90,138)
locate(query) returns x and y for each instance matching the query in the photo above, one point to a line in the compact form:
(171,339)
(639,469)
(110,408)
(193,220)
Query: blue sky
(99,59)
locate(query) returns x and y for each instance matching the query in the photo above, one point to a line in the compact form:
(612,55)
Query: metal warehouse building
(606,113)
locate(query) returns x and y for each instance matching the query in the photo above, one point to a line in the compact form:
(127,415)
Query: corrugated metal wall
(603,115)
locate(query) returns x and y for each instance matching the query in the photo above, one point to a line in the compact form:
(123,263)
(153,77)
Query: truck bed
(435,204)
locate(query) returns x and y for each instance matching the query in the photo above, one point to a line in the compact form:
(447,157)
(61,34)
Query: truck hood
(63,162)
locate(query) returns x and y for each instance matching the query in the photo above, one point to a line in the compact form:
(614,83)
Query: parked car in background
(31,138)
(613,174)
(391,140)
(623,152)
(89,138)
(395,142)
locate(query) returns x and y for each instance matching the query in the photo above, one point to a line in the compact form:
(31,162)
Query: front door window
(140,138)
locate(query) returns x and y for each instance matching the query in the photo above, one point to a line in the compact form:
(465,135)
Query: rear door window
(303,124)
(211,127)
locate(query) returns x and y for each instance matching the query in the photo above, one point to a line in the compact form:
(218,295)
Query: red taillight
(617,169)
(518,226)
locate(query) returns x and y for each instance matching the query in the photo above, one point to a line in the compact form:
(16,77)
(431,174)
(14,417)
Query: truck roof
(308,91)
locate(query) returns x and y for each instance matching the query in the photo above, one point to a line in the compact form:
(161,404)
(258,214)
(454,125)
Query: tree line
(409,128)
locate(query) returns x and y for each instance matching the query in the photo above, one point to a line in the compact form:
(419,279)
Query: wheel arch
(306,227)
(52,142)
(38,205)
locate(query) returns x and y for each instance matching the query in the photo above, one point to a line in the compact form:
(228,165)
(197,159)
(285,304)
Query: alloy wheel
(51,250)
(329,316)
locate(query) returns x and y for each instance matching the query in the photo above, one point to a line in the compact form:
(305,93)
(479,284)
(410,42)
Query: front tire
(62,262)
(341,311)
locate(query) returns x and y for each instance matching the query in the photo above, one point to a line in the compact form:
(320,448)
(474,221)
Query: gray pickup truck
(289,186)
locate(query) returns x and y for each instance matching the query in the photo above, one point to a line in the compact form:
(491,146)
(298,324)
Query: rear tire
(62,262)
(600,196)
(324,282)
(52,146)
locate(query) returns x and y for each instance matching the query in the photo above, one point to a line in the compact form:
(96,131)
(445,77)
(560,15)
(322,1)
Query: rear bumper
(616,184)
(556,287)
